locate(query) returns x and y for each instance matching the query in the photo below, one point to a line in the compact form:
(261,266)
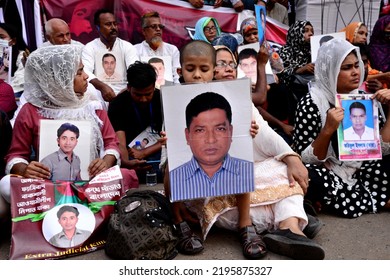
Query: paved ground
(363,238)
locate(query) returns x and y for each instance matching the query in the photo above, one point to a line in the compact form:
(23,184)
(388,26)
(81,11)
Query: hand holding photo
(358,134)
(202,159)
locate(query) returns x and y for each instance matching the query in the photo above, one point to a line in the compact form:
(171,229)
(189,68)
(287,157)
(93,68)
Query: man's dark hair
(148,15)
(108,55)
(96,17)
(325,39)
(141,75)
(198,48)
(357,105)
(67,208)
(247,53)
(68,126)
(156,60)
(204,102)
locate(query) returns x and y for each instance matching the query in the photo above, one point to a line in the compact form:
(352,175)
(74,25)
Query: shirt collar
(228,165)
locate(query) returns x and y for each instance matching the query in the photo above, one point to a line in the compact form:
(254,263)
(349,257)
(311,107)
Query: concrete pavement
(364,238)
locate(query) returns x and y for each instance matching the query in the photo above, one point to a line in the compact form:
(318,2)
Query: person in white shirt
(57,32)
(359,130)
(153,45)
(108,42)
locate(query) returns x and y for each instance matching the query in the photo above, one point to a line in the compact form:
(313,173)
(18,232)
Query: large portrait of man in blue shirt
(211,170)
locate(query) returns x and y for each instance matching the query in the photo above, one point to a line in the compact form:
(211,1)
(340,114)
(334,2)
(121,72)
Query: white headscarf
(49,85)
(329,59)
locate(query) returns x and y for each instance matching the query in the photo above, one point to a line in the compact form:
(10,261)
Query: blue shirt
(189,181)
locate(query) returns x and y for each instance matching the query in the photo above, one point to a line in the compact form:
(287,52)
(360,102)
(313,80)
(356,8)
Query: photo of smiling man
(64,164)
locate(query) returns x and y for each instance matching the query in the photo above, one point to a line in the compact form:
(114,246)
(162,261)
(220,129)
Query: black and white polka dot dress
(371,189)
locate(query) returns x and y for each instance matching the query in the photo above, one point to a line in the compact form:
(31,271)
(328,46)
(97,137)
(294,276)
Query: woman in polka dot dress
(350,188)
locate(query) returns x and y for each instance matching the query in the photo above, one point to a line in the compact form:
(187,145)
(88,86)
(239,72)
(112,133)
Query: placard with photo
(5,60)
(65,147)
(208,126)
(316,41)
(358,134)
(261,20)
(247,67)
(163,66)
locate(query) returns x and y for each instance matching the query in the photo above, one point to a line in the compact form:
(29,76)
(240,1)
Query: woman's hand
(254,129)
(334,117)
(36,170)
(308,68)
(96,166)
(383,96)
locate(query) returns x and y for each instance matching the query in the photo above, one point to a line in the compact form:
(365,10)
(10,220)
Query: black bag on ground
(141,228)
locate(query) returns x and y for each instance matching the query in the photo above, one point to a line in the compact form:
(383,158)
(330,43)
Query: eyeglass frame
(208,29)
(223,64)
(155,26)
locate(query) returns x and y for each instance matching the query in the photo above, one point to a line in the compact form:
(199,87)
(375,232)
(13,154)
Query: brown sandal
(188,243)
(253,246)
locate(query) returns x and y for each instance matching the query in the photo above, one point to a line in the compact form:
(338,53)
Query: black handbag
(141,228)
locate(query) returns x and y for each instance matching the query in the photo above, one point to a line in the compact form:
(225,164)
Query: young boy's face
(197,69)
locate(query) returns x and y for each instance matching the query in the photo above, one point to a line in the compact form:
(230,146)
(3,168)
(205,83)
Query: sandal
(252,244)
(188,243)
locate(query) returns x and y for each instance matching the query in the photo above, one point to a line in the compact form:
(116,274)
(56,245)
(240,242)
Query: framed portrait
(358,134)
(52,147)
(187,125)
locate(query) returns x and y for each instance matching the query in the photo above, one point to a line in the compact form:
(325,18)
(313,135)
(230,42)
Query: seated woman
(296,56)
(56,88)
(349,188)
(19,50)
(356,33)
(207,29)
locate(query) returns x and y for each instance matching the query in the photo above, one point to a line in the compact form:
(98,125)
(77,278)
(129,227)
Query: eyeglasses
(223,64)
(209,29)
(155,26)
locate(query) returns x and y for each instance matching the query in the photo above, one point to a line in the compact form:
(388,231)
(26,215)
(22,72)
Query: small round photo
(68,225)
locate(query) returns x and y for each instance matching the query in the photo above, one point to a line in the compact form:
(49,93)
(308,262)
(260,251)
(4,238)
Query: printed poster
(316,41)
(163,66)
(5,60)
(147,138)
(247,67)
(110,67)
(358,134)
(201,134)
(66,138)
(261,20)
(53,220)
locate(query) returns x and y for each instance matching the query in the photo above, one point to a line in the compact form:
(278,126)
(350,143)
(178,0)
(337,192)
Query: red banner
(178,16)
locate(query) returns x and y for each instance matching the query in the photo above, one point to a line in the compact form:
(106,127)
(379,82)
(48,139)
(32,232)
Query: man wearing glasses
(154,46)
(108,42)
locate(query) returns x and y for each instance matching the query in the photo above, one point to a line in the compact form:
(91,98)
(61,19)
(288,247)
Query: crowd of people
(295,119)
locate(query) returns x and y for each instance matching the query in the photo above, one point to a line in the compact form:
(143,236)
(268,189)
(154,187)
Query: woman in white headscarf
(56,88)
(348,188)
